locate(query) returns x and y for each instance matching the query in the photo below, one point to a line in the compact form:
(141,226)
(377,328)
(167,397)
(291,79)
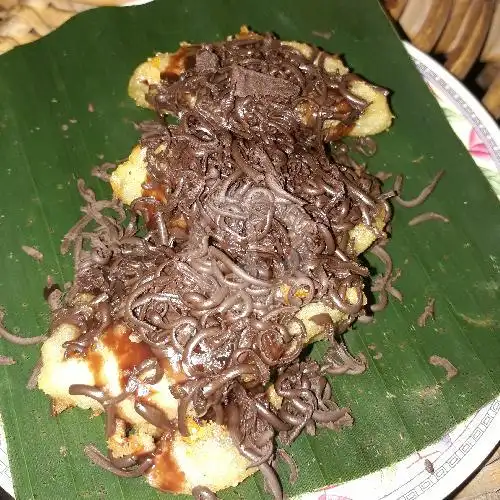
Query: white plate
(462,450)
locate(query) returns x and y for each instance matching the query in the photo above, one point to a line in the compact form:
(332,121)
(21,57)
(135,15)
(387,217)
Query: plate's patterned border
(467,112)
(5,477)
(454,457)
(480,425)
(469,120)
(465,447)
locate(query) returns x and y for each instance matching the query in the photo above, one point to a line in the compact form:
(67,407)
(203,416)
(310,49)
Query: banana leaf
(64,108)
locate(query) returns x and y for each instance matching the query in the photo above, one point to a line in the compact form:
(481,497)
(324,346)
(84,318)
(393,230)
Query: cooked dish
(232,243)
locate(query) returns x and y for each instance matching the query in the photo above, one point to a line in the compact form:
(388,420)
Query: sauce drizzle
(165,474)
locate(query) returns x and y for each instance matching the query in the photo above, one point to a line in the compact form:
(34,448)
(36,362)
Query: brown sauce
(95,362)
(165,474)
(322,319)
(128,354)
(157,191)
(338,131)
(154,190)
(178,62)
(173,371)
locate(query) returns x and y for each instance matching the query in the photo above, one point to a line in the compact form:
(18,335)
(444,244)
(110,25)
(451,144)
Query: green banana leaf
(49,136)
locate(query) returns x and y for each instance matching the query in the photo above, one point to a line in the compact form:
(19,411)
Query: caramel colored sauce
(337,132)
(154,190)
(390,4)
(129,354)
(307,113)
(96,364)
(165,474)
(178,62)
(322,319)
(173,372)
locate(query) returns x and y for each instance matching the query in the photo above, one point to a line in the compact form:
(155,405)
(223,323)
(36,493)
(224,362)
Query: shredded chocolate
(102,171)
(247,218)
(6,360)
(427,216)
(380,282)
(203,493)
(99,459)
(424,194)
(323,34)
(33,252)
(366,146)
(294,469)
(428,313)
(451,370)
(383,176)
(16,339)
(33,379)
(428,465)
(248,82)
(390,286)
